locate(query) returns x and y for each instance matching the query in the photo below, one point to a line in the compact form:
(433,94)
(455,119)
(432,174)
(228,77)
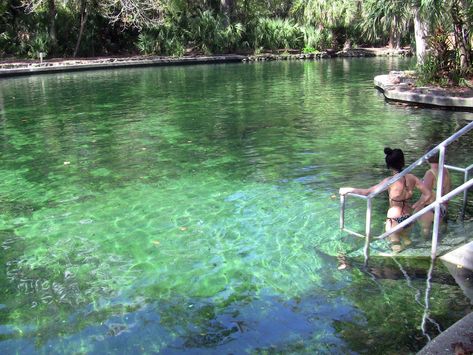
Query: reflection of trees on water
(426,319)
(265,119)
(403,296)
(259,121)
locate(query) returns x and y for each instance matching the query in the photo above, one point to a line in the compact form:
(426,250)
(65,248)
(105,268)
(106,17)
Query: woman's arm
(428,179)
(365,192)
(424,198)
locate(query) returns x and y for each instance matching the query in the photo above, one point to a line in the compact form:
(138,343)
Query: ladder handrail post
(435,232)
(422,159)
(436,205)
(441,164)
(465,195)
(428,208)
(438,196)
(366,249)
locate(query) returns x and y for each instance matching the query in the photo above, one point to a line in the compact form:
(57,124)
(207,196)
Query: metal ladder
(439,199)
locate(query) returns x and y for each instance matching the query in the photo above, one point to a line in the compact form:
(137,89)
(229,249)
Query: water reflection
(411,291)
(196,209)
(464,278)
(426,319)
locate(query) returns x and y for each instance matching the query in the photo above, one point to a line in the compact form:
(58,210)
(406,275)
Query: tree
(52,24)
(421,32)
(337,15)
(451,16)
(134,13)
(458,12)
(227,7)
(83,13)
(35,6)
(390,17)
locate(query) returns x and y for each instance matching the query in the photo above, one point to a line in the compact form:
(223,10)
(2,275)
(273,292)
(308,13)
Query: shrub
(440,63)
(213,33)
(428,71)
(232,36)
(277,33)
(319,39)
(206,31)
(163,39)
(147,43)
(38,43)
(307,50)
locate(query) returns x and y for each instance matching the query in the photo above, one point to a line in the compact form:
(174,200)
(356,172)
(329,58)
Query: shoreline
(395,86)
(17,67)
(400,86)
(22,68)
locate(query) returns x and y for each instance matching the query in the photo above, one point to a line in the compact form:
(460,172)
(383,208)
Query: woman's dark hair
(434,158)
(394,158)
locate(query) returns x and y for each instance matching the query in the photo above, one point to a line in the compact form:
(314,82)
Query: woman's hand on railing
(416,207)
(425,198)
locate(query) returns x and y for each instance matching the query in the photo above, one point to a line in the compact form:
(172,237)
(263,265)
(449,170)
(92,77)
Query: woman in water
(399,194)
(430,181)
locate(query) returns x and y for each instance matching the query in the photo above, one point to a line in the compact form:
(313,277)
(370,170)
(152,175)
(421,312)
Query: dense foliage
(177,27)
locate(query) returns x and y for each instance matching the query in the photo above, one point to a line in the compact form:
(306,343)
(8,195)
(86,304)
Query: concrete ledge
(400,86)
(462,256)
(17,69)
(458,339)
(30,67)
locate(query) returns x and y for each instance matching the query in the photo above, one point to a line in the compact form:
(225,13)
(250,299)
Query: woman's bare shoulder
(413,180)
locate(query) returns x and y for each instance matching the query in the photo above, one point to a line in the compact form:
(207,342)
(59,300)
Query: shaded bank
(30,67)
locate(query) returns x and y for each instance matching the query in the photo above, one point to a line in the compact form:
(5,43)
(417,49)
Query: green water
(194,210)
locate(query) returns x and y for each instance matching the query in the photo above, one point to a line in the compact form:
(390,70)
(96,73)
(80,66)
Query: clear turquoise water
(193,209)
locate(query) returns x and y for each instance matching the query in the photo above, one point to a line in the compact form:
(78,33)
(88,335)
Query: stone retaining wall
(400,86)
(54,66)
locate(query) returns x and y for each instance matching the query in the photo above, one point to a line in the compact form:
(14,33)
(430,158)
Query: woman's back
(401,191)
(431,178)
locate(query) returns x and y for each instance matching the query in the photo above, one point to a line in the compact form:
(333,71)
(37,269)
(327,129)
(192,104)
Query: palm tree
(453,16)
(420,10)
(459,11)
(337,15)
(394,17)
(386,17)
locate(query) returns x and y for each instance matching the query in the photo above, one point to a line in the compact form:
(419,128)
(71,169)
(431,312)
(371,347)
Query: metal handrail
(419,161)
(434,205)
(466,174)
(426,209)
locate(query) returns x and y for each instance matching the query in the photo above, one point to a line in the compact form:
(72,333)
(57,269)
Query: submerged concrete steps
(456,252)
(451,239)
(418,249)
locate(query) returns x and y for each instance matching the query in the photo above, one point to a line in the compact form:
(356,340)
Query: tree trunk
(52,25)
(347,45)
(83,20)
(394,40)
(395,35)
(227,7)
(461,36)
(421,32)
